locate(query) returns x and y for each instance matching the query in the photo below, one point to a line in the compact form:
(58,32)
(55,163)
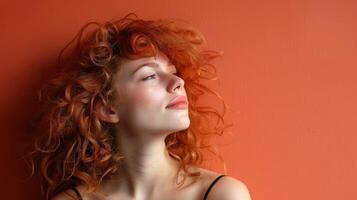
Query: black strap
(212,184)
(77,193)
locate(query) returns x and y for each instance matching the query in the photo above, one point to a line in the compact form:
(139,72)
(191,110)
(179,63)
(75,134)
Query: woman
(121,118)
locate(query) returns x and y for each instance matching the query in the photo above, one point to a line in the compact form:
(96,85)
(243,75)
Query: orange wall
(287,73)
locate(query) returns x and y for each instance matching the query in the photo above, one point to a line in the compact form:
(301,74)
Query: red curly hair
(74,146)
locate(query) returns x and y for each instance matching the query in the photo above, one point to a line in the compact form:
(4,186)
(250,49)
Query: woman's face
(145,87)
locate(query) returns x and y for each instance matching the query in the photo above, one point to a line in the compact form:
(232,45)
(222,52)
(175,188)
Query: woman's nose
(175,83)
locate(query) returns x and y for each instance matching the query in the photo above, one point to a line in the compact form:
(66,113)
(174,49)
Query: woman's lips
(178,102)
(178,105)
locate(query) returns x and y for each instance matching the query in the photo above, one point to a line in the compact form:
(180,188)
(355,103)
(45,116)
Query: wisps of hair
(74,146)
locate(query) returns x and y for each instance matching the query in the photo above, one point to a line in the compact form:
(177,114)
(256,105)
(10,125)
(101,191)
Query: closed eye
(154,75)
(149,77)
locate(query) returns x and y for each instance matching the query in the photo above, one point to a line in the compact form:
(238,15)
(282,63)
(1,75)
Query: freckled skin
(142,108)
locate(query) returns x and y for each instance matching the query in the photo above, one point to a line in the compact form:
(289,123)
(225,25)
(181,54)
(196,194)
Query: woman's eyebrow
(149,64)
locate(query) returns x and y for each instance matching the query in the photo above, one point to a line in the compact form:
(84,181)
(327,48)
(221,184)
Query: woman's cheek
(146,97)
(140,100)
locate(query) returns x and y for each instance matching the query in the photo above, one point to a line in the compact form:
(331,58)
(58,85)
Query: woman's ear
(106,113)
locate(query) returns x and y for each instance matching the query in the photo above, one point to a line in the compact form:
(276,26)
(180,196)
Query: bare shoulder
(229,188)
(226,188)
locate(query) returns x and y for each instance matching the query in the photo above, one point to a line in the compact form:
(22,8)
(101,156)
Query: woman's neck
(147,167)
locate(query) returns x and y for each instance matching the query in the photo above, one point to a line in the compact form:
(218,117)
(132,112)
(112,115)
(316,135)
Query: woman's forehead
(133,64)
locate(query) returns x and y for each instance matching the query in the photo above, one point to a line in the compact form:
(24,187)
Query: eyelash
(153,75)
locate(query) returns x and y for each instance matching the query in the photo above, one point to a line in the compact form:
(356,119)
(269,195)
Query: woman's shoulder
(224,188)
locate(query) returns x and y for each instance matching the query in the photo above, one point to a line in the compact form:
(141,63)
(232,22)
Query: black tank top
(204,198)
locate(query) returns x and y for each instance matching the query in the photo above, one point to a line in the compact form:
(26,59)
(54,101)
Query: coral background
(288,74)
